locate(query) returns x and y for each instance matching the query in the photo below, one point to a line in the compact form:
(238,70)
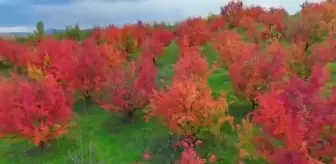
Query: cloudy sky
(21,15)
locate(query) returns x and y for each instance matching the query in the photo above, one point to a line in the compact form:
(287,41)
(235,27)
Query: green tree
(39,32)
(73,32)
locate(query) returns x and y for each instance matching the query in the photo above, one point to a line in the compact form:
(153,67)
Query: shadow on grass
(115,123)
(239,109)
(84,107)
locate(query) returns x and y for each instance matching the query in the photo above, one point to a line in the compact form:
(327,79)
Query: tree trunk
(154,61)
(88,100)
(254,104)
(128,117)
(44,145)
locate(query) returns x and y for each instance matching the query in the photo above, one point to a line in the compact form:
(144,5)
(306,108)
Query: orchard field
(249,85)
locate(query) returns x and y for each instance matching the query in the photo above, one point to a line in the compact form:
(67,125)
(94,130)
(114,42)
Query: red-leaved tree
(229,45)
(39,111)
(16,54)
(301,118)
(163,34)
(191,64)
(187,106)
(189,155)
(53,57)
(298,62)
(324,52)
(195,29)
(217,23)
(88,73)
(152,47)
(129,88)
(233,12)
(254,72)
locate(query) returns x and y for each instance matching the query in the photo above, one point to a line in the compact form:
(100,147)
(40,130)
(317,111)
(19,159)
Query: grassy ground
(99,137)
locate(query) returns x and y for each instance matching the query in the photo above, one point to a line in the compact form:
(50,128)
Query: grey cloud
(103,12)
(88,13)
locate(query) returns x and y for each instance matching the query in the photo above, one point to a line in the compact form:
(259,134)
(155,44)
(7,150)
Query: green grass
(100,138)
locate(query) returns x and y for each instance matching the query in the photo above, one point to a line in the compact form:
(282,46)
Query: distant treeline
(70,32)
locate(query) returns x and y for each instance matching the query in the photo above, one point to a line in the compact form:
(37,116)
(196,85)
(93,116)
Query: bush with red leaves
(301,118)
(37,111)
(233,12)
(88,73)
(129,88)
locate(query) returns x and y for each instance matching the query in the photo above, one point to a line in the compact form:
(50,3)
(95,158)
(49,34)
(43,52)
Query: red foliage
(254,12)
(127,39)
(325,11)
(17,54)
(233,12)
(97,34)
(229,45)
(216,23)
(55,58)
(88,73)
(298,62)
(113,56)
(298,115)
(250,25)
(312,23)
(187,106)
(146,157)
(152,48)
(164,35)
(183,44)
(195,29)
(255,20)
(191,64)
(324,52)
(189,154)
(130,87)
(254,72)
(274,17)
(146,78)
(137,32)
(212,158)
(36,111)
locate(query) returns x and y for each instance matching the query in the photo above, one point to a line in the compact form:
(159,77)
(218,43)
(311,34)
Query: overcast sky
(21,15)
